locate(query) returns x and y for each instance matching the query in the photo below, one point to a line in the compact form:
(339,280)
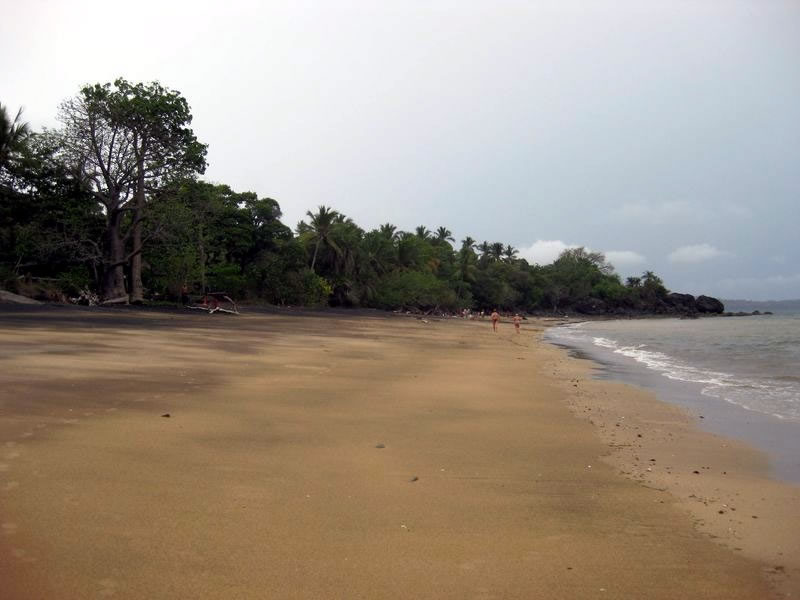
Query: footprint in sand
(11,455)
(10,486)
(10,444)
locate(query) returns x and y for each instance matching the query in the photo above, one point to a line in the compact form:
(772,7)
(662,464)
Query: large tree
(165,148)
(126,141)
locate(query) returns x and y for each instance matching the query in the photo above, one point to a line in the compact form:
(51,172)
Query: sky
(665,134)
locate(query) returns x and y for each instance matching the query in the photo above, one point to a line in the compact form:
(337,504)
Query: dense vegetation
(112,204)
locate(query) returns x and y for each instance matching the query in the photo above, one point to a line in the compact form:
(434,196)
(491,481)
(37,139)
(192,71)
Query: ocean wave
(776,396)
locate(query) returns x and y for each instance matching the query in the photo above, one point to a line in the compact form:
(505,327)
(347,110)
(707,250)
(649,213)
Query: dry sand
(359,457)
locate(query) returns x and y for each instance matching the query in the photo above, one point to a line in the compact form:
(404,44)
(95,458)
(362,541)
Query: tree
(13,134)
(164,148)
(423,232)
(485,249)
(389,231)
(468,243)
(50,226)
(126,142)
(652,287)
(510,253)
(100,149)
(443,234)
(633,282)
(319,230)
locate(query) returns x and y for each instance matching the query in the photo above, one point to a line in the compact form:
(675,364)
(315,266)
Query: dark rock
(380,446)
(167,415)
(684,303)
(707,304)
(591,306)
(413,479)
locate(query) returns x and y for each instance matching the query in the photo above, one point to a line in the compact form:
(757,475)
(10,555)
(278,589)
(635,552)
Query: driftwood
(16,298)
(210,303)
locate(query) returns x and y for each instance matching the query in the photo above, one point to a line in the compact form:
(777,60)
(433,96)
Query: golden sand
(360,457)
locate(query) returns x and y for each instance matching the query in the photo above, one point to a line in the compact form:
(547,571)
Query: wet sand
(359,456)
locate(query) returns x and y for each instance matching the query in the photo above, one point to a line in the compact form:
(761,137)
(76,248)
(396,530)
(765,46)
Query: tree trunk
(137,289)
(113,275)
(202,245)
(314,259)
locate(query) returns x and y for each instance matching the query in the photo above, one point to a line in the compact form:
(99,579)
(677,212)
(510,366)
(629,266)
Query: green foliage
(65,205)
(414,289)
(13,135)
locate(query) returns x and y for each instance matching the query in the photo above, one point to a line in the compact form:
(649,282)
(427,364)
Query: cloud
(624,258)
(543,252)
(695,254)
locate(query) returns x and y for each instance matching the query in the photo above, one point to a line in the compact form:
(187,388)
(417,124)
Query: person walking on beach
(517,320)
(495,318)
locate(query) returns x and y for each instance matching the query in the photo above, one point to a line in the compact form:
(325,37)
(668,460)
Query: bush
(414,289)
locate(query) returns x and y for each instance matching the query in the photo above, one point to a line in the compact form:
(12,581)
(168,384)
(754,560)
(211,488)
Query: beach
(163,454)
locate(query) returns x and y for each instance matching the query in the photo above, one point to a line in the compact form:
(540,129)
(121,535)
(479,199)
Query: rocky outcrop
(707,304)
(591,306)
(683,303)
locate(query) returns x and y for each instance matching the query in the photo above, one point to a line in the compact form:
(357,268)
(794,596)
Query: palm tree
(443,234)
(648,277)
(12,134)
(389,230)
(320,228)
(633,282)
(466,260)
(496,251)
(423,232)
(510,253)
(484,248)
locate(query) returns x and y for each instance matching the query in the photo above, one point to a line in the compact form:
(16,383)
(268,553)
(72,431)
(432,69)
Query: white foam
(773,397)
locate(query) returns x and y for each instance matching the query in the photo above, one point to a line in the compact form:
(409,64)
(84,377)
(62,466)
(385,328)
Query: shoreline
(726,484)
(768,433)
(351,455)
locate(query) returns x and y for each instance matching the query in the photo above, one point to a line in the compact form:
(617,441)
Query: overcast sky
(665,134)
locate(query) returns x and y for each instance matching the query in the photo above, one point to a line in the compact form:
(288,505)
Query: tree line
(112,203)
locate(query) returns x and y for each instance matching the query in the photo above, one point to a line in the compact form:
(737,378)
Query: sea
(741,374)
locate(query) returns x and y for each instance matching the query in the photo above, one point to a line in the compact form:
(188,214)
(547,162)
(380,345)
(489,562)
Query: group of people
(495,317)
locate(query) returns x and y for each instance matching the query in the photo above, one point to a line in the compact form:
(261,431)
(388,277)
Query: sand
(359,456)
